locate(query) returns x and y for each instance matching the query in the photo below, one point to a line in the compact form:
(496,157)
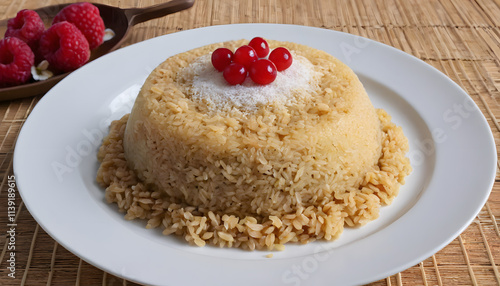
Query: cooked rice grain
(327,222)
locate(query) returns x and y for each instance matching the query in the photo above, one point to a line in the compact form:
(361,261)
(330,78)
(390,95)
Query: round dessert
(249,165)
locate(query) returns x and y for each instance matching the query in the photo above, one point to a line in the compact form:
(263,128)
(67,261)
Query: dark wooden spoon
(117,19)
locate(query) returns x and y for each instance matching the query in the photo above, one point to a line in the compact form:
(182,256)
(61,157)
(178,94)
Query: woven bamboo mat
(459,37)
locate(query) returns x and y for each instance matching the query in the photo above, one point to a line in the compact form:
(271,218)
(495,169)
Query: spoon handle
(139,15)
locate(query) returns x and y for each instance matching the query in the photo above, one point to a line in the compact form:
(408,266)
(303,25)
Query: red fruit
(16,59)
(245,55)
(282,58)
(235,74)
(260,46)
(263,72)
(221,58)
(64,47)
(27,26)
(85,17)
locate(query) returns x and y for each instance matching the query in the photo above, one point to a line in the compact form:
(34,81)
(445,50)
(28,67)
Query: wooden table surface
(461,38)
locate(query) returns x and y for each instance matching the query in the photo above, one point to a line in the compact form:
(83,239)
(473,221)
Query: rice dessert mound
(253,166)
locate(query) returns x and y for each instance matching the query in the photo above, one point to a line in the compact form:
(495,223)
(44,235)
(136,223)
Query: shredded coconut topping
(209,86)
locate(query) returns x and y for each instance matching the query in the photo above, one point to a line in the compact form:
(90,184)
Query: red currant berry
(260,46)
(263,72)
(245,55)
(282,58)
(235,74)
(221,58)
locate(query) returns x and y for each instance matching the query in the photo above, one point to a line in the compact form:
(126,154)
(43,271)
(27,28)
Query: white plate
(451,148)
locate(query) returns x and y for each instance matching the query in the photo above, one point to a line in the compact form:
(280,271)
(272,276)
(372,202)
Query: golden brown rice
(276,182)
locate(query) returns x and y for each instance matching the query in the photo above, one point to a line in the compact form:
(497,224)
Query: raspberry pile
(250,60)
(66,45)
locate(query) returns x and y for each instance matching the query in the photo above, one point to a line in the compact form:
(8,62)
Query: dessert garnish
(260,46)
(263,71)
(221,58)
(282,58)
(245,55)
(235,73)
(250,60)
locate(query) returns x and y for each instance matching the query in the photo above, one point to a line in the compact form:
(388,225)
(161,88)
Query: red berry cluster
(75,31)
(250,60)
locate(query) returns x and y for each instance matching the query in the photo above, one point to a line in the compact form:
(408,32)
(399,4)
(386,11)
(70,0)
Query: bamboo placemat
(459,37)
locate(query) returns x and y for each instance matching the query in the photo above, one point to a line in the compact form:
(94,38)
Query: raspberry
(85,17)
(16,59)
(64,47)
(27,26)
